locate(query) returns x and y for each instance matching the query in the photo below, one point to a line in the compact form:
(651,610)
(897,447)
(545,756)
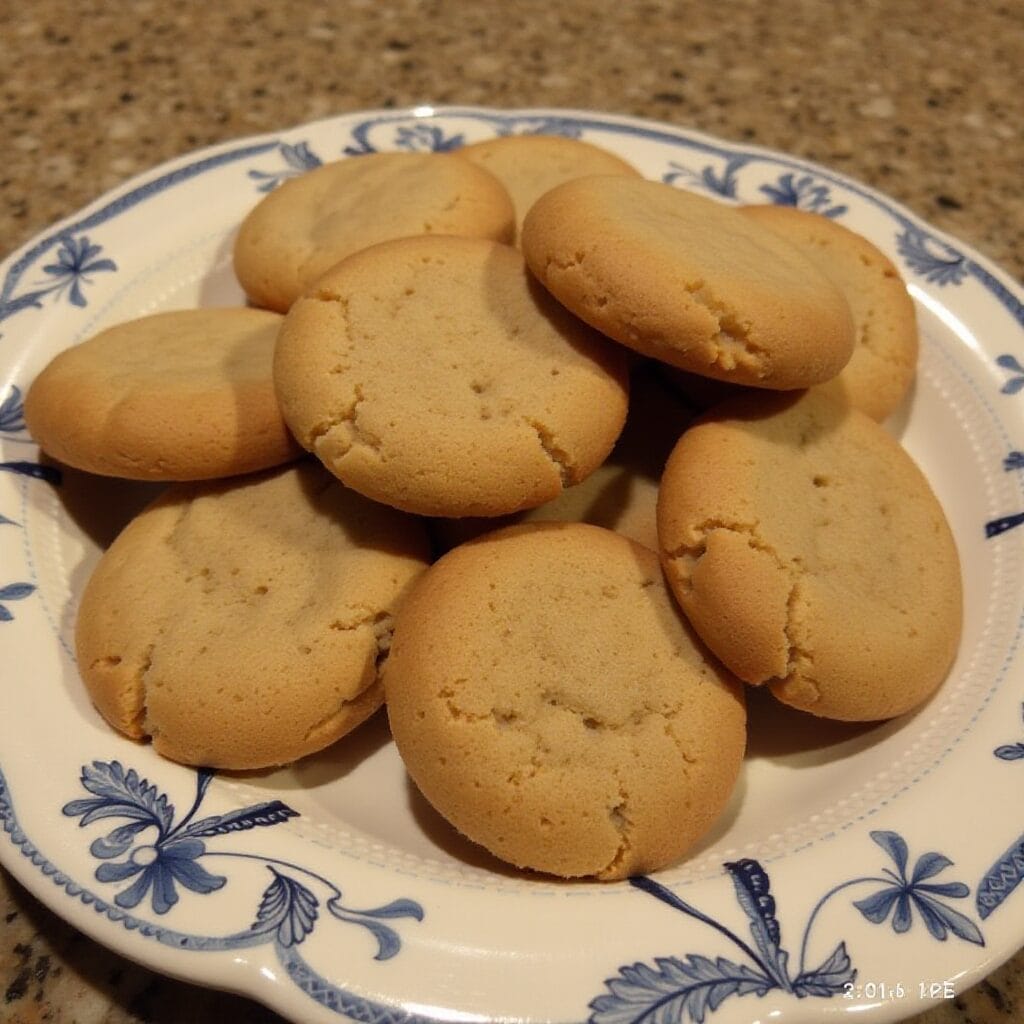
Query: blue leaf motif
(300,156)
(1010,752)
(803,192)
(828,979)
(388,942)
(674,991)
(287,908)
(12,412)
(929,864)
(1013,386)
(120,794)
(940,919)
(117,841)
(1000,880)
(937,262)
(1009,362)
(397,908)
(724,183)
(298,159)
(754,896)
(429,138)
(13,592)
(895,845)
(271,813)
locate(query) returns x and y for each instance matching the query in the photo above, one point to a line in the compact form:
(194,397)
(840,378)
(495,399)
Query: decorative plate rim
(907,891)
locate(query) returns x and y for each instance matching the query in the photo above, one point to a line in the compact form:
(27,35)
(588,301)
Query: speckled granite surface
(922,100)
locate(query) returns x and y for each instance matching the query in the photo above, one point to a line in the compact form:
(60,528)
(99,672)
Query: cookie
(810,553)
(432,374)
(882,367)
(185,395)
(549,700)
(240,624)
(688,281)
(530,165)
(622,493)
(309,223)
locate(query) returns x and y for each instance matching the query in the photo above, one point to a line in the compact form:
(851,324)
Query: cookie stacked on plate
(497,354)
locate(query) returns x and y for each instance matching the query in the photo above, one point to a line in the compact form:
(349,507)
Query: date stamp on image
(885,991)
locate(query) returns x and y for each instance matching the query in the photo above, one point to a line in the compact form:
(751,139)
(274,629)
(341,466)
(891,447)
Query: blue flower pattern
(170,857)
(1015,380)
(77,258)
(298,159)
(930,258)
(805,193)
(724,183)
(678,990)
(903,895)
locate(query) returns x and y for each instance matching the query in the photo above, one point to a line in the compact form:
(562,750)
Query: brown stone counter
(922,100)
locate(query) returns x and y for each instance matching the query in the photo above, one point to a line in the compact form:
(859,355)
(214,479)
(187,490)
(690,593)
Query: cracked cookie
(185,395)
(688,281)
(433,374)
(305,226)
(530,165)
(622,493)
(551,702)
(240,624)
(810,554)
(884,359)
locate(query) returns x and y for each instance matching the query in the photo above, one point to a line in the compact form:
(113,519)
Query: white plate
(857,869)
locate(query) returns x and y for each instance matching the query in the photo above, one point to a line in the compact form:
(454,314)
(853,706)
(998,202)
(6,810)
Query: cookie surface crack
(731,344)
(624,826)
(559,457)
(798,657)
(343,431)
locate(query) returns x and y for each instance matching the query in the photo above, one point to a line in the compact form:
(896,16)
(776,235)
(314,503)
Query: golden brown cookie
(530,165)
(884,361)
(688,281)
(240,625)
(309,223)
(809,552)
(433,374)
(622,493)
(185,395)
(550,701)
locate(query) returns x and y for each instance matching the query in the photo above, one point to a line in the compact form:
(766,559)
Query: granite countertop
(924,101)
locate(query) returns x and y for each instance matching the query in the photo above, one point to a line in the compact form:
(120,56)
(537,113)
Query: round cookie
(549,700)
(432,374)
(530,165)
(809,552)
(240,625)
(688,281)
(309,223)
(185,395)
(622,493)
(884,361)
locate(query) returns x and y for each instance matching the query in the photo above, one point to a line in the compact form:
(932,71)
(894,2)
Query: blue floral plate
(868,870)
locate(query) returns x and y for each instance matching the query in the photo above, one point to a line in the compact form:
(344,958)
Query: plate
(857,869)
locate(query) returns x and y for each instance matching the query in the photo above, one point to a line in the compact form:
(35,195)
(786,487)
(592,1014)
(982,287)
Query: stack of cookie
(453,338)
